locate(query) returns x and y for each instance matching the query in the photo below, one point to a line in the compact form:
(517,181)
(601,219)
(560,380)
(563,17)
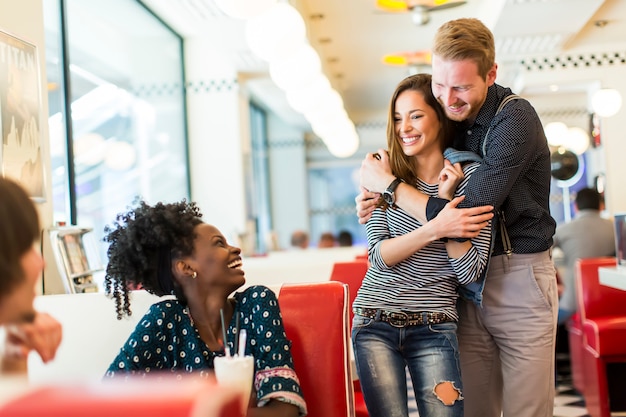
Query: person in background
(327,240)
(299,239)
(588,235)
(405,310)
(168,250)
(507,324)
(344,238)
(20,267)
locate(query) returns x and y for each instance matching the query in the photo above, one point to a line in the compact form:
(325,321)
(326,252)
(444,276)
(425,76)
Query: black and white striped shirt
(428,279)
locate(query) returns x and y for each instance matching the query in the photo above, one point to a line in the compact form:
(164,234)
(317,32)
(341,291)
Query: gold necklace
(218,340)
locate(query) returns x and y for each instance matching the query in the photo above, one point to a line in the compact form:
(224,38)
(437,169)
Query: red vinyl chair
(315,317)
(352,273)
(575,343)
(361,257)
(602,312)
(574,326)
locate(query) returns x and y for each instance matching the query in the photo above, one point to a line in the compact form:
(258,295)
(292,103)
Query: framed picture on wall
(20,109)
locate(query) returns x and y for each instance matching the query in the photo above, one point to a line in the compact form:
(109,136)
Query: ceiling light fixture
(606,102)
(420,9)
(577,140)
(420,16)
(277,33)
(601,23)
(278,36)
(244,9)
(556,133)
(415,58)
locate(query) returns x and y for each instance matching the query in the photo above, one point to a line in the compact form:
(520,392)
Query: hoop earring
(194,275)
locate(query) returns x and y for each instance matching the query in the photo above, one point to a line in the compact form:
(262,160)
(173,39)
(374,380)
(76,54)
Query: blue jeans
(431,353)
(564,315)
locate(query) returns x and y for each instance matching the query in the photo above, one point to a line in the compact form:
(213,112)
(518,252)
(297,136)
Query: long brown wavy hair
(403,166)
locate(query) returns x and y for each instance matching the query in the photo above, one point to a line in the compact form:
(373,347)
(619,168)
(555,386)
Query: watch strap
(389,194)
(394,184)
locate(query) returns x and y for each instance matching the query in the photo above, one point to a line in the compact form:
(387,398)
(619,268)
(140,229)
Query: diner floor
(567,403)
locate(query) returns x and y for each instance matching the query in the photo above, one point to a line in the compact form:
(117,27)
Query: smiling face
(215,261)
(459,88)
(416,125)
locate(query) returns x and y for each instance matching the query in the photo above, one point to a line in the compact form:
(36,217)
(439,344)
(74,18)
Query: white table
(613,277)
(296,266)
(12,387)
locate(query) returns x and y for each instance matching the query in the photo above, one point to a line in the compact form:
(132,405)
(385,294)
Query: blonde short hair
(466,38)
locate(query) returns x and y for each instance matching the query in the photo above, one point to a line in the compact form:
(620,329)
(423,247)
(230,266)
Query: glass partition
(125,86)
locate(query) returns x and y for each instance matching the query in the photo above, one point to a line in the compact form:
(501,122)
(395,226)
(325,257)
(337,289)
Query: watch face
(389,194)
(388,197)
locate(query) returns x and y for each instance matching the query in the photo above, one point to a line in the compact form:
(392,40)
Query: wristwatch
(389,195)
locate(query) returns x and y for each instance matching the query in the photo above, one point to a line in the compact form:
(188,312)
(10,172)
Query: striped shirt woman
(426,281)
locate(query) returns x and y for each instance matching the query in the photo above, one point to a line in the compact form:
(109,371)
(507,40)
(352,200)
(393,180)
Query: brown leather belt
(402,319)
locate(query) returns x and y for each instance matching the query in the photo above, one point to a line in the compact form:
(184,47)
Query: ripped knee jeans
(431,354)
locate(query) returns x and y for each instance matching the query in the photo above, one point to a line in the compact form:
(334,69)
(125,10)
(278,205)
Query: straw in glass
(224,333)
(242,343)
(236,333)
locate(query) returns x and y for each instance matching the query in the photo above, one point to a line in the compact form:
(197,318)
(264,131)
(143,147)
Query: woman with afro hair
(167,249)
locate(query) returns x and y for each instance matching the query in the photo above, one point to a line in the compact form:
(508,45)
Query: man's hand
(449,178)
(454,222)
(375,172)
(43,335)
(366,202)
(560,287)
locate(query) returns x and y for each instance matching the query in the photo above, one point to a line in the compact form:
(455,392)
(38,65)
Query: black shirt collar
(495,94)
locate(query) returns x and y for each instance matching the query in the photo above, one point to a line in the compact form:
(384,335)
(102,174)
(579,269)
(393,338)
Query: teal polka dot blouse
(165,339)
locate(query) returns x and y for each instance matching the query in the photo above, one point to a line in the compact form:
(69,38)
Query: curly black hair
(143,242)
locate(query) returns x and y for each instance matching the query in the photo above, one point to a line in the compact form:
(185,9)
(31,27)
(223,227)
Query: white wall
(24,19)
(614,139)
(215,126)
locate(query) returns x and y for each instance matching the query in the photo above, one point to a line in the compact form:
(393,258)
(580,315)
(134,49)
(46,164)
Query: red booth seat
(315,317)
(606,336)
(361,257)
(603,322)
(602,309)
(352,273)
(575,339)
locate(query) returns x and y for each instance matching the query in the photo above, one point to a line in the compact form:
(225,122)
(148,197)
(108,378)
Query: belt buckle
(398,319)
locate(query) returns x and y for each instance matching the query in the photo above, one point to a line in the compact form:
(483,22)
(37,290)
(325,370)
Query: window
(122,77)
(257,184)
(332,193)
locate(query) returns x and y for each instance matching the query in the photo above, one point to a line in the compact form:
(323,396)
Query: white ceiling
(351,36)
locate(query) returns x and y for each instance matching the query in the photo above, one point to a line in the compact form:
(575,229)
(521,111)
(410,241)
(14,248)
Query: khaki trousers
(507,346)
